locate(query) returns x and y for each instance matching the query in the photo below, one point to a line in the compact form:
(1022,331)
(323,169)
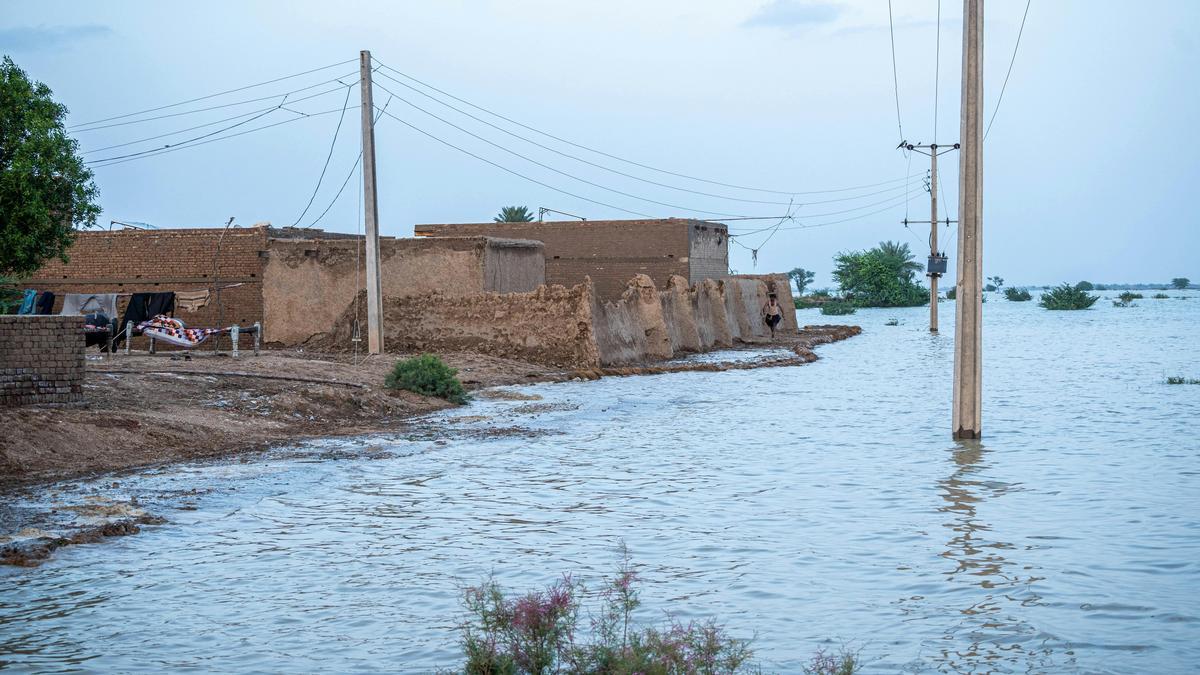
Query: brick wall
(135,261)
(708,252)
(41,360)
(611,252)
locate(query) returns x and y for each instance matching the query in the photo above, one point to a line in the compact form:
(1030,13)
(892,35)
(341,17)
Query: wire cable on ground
(328,156)
(1010,67)
(515,173)
(555,170)
(208,96)
(618,158)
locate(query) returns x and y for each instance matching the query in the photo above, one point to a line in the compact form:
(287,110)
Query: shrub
(822,293)
(429,376)
(837,308)
(952,292)
(1066,297)
(1182,380)
(538,633)
(1161,296)
(843,663)
(1128,296)
(1085,286)
(1017,294)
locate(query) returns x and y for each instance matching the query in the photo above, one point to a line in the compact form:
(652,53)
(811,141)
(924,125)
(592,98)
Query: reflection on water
(808,507)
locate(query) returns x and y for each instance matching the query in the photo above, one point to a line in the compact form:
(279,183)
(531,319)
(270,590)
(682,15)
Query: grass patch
(1017,294)
(837,308)
(1067,297)
(427,375)
(1182,380)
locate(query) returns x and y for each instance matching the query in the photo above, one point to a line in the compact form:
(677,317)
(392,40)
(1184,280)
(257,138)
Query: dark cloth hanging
(96,329)
(143,307)
(45,303)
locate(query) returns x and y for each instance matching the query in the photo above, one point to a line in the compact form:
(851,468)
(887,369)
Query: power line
(515,173)
(176,148)
(937,63)
(208,96)
(550,168)
(843,220)
(328,156)
(891,201)
(179,131)
(227,105)
(350,175)
(622,159)
(895,75)
(1010,67)
(186,142)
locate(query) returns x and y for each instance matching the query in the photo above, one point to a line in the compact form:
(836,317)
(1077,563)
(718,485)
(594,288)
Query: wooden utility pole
(937,262)
(967,419)
(371,206)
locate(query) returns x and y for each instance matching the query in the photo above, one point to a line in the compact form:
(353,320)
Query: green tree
(45,189)
(1181,282)
(1067,297)
(998,282)
(801,278)
(514,214)
(1085,286)
(880,277)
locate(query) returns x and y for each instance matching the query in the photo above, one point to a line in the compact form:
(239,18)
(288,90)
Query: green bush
(1161,296)
(1066,297)
(1085,286)
(429,376)
(1127,296)
(1017,294)
(952,293)
(884,276)
(1182,380)
(837,308)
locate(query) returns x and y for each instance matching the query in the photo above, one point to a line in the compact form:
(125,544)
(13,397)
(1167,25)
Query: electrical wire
(228,105)
(179,131)
(1010,67)
(208,96)
(622,159)
(892,201)
(328,156)
(842,220)
(551,168)
(895,75)
(176,148)
(349,175)
(515,173)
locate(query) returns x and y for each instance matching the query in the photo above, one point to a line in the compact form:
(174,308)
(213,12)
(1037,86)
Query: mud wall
(781,286)
(308,283)
(551,325)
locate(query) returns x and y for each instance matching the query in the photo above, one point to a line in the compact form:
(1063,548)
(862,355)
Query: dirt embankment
(142,410)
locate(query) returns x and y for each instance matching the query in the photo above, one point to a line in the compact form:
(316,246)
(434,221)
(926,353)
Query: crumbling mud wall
(708,310)
(632,329)
(679,316)
(781,286)
(308,283)
(551,325)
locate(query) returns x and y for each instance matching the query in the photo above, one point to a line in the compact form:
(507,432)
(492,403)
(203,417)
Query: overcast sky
(1090,167)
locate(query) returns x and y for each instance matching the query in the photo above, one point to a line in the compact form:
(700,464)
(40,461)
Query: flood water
(805,506)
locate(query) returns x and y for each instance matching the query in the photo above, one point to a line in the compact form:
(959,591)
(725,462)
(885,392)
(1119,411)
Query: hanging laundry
(45,303)
(27,301)
(143,306)
(191,301)
(81,303)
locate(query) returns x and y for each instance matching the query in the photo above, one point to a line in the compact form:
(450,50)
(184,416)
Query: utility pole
(371,205)
(967,415)
(937,261)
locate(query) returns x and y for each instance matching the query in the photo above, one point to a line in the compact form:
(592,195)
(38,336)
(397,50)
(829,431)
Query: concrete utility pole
(937,262)
(371,205)
(968,326)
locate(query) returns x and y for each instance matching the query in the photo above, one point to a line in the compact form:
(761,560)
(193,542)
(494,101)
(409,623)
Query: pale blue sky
(1090,167)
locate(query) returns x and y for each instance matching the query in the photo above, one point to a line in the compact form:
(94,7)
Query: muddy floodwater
(805,506)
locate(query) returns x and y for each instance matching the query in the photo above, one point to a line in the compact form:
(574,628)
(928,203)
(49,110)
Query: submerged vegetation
(1160,296)
(1177,379)
(1017,294)
(883,276)
(837,308)
(540,633)
(1067,297)
(429,376)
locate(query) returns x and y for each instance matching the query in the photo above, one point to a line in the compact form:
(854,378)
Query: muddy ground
(141,409)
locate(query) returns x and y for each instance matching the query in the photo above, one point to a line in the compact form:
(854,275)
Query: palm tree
(514,214)
(899,257)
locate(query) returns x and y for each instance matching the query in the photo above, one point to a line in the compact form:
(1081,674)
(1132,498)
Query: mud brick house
(611,252)
(297,282)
